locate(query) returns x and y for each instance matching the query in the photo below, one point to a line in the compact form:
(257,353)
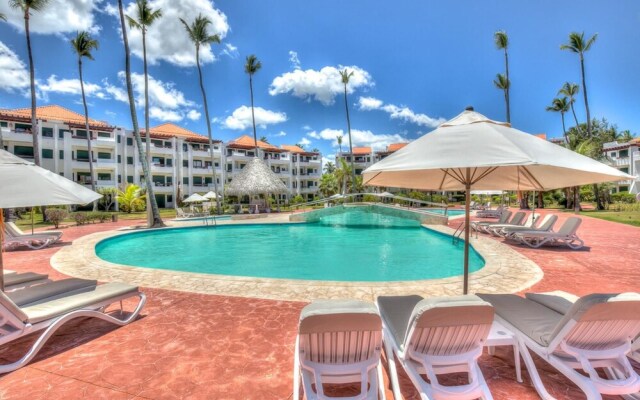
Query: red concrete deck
(214,347)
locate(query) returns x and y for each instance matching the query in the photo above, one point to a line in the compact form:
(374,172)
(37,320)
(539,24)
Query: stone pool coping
(505,271)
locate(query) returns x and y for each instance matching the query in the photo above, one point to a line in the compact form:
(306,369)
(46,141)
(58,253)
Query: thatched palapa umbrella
(256,178)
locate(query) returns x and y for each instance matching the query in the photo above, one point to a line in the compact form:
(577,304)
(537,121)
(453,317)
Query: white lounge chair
(180,213)
(339,341)
(479,225)
(594,332)
(496,229)
(17,232)
(489,213)
(14,238)
(14,281)
(49,306)
(545,225)
(567,234)
(436,336)
(517,219)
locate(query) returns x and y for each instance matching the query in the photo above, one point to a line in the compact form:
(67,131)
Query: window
(3,124)
(613,154)
(169,181)
(129,178)
(61,133)
(47,153)
(129,141)
(623,153)
(197,181)
(169,198)
(62,154)
(169,162)
(47,132)
(130,160)
(119,178)
(119,138)
(185,163)
(81,133)
(119,157)
(207,164)
(623,189)
(158,180)
(104,156)
(197,163)
(103,176)
(104,134)
(185,147)
(208,180)
(23,151)
(82,155)
(625,170)
(185,181)
(23,127)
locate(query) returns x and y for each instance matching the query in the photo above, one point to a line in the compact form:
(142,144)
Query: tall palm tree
(199,34)
(82,45)
(502,83)
(252,66)
(625,136)
(343,174)
(571,91)
(578,45)
(561,105)
(26,6)
(502,43)
(346,75)
(339,139)
(145,17)
(156,220)
(329,168)
(264,139)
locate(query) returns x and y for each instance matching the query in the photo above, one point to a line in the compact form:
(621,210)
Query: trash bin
(114,217)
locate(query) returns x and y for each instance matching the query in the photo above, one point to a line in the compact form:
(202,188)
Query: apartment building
(626,158)
(180,159)
(364,157)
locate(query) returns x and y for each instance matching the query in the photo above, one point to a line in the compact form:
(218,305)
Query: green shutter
(47,153)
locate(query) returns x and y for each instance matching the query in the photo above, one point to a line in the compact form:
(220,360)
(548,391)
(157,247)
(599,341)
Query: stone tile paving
(219,347)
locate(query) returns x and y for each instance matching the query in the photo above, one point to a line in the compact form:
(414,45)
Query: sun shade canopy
(255,178)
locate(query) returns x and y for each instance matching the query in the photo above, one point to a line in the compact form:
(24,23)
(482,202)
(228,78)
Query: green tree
(251,66)
(328,185)
(571,91)
(502,82)
(144,18)
(561,105)
(329,168)
(264,139)
(339,140)
(132,198)
(343,174)
(502,43)
(578,45)
(625,136)
(346,75)
(198,32)
(27,6)
(82,45)
(300,145)
(156,220)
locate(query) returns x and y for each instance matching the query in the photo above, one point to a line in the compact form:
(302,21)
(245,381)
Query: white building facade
(626,158)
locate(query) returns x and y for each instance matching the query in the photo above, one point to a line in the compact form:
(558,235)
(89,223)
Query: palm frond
(133,24)
(590,42)
(501,39)
(501,82)
(3,17)
(83,44)
(252,64)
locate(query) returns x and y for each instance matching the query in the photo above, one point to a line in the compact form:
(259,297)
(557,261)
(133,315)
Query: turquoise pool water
(450,212)
(211,218)
(354,246)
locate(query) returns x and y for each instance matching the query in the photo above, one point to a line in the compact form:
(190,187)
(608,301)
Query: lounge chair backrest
(448,325)
(504,217)
(601,321)
(8,306)
(531,220)
(340,331)
(518,218)
(13,229)
(547,222)
(570,226)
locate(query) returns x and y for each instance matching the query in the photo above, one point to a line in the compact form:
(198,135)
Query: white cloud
(59,16)
(161,94)
(241,118)
(14,76)
(193,115)
(167,39)
(360,138)
(230,50)
(306,128)
(322,85)
(281,134)
(293,58)
(71,86)
(164,115)
(402,113)
(304,142)
(116,92)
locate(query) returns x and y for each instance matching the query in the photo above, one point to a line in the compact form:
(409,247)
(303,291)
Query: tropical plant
(131,198)
(251,66)
(300,145)
(3,17)
(56,216)
(578,45)
(108,198)
(502,82)
(346,75)
(561,105)
(339,140)
(82,45)
(156,220)
(625,136)
(198,32)
(27,6)
(329,167)
(264,139)
(571,91)
(343,174)
(315,150)
(144,18)
(328,185)
(502,43)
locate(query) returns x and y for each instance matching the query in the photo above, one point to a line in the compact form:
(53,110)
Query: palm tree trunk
(253,117)
(586,101)
(206,114)
(576,199)
(146,113)
(573,111)
(156,219)
(596,192)
(32,77)
(86,127)
(564,130)
(346,106)
(507,94)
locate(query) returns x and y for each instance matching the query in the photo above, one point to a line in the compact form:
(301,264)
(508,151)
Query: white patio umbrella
(473,152)
(211,195)
(195,198)
(24,184)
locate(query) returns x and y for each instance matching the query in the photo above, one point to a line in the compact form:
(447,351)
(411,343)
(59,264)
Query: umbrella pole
(32,222)
(467,229)
(1,247)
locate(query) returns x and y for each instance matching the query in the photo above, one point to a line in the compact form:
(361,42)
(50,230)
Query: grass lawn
(624,217)
(25,222)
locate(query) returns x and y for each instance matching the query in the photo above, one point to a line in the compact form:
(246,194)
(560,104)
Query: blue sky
(416,63)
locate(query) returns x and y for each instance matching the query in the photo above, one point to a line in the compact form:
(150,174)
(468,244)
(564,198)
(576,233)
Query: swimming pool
(210,218)
(354,246)
(450,212)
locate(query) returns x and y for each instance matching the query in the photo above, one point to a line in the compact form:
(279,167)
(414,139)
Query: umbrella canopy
(256,178)
(24,184)
(486,192)
(473,152)
(210,195)
(386,194)
(195,198)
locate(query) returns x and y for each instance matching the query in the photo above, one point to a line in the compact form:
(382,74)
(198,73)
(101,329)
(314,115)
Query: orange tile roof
(170,130)
(395,146)
(56,113)
(541,135)
(293,148)
(362,150)
(245,141)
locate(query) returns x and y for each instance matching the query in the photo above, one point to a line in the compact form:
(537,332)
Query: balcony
(160,187)
(161,149)
(619,162)
(18,136)
(239,156)
(164,168)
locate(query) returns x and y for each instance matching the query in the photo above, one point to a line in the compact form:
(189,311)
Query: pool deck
(203,346)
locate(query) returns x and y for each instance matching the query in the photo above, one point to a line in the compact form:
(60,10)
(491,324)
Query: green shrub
(81,218)
(623,197)
(98,216)
(56,215)
(369,198)
(297,200)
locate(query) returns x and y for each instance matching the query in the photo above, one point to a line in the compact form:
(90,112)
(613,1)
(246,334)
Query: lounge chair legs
(51,329)
(393,370)
(533,372)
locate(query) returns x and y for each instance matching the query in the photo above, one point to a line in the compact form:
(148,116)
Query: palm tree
(339,139)
(561,105)
(199,34)
(502,43)
(300,145)
(571,90)
(264,139)
(328,185)
(26,6)
(346,75)
(502,83)
(625,136)
(252,66)
(156,220)
(144,19)
(329,167)
(578,45)
(3,17)
(343,174)
(82,45)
